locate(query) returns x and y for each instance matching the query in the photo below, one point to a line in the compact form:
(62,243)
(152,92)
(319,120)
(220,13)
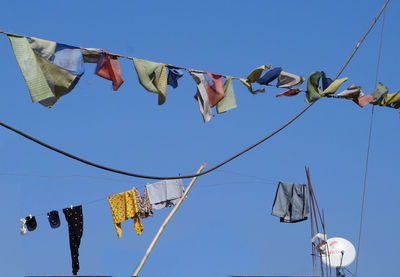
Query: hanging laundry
(351,92)
(201,96)
(165,193)
(379,93)
(54,219)
(313,92)
(50,70)
(291,202)
(74,217)
(252,78)
(174,74)
(215,91)
(269,76)
(108,68)
(334,86)
(143,203)
(392,100)
(153,77)
(91,55)
(325,81)
(22,229)
(31,223)
(229,101)
(291,92)
(124,206)
(289,80)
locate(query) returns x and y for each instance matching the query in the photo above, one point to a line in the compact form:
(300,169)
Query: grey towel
(165,193)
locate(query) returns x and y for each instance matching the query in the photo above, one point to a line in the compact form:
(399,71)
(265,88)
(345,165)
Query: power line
(137,175)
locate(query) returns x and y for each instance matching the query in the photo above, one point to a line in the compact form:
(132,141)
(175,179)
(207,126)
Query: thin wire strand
(118,171)
(369,146)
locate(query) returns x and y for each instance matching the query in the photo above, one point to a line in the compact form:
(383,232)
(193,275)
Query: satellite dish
(341,252)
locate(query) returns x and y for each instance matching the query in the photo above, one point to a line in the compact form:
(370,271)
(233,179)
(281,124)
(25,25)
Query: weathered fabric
(153,77)
(215,91)
(174,74)
(289,80)
(124,206)
(334,86)
(291,202)
(143,203)
(379,93)
(201,96)
(364,100)
(269,76)
(325,81)
(291,92)
(252,78)
(229,102)
(108,68)
(165,193)
(313,88)
(351,92)
(74,217)
(91,55)
(392,100)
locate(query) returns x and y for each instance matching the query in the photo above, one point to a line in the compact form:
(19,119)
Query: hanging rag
(252,78)
(290,92)
(289,80)
(392,100)
(215,91)
(351,92)
(313,92)
(165,193)
(91,55)
(22,229)
(362,101)
(124,206)
(153,77)
(201,96)
(108,68)
(325,81)
(379,93)
(229,101)
(269,76)
(31,223)
(74,217)
(291,202)
(54,219)
(143,203)
(50,70)
(174,74)
(334,86)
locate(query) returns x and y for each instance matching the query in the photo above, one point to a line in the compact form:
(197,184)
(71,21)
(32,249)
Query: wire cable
(137,175)
(369,144)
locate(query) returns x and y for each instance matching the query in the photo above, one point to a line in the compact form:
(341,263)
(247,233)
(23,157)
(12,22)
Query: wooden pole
(166,222)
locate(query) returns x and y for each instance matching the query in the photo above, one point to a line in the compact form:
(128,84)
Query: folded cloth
(252,78)
(201,96)
(352,91)
(379,93)
(313,89)
(291,92)
(153,77)
(108,68)
(229,101)
(91,55)
(269,76)
(165,193)
(325,81)
(291,202)
(174,74)
(334,86)
(289,80)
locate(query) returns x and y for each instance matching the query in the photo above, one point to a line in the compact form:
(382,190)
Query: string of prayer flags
(329,87)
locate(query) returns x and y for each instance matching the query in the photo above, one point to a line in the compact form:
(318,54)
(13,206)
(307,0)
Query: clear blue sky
(224,227)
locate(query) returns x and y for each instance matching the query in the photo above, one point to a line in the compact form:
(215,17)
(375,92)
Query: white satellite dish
(341,253)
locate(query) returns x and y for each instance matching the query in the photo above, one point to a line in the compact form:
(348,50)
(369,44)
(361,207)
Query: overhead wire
(369,144)
(137,175)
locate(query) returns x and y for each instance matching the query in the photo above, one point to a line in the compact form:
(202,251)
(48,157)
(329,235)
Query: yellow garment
(124,206)
(253,76)
(334,86)
(392,98)
(153,77)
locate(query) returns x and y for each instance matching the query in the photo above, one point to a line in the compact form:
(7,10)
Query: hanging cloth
(269,76)
(91,55)
(351,92)
(144,206)
(325,81)
(392,100)
(153,77)
(108,68)
(252,78)
(201,96)
(174,74)
(229,101)
(334,86)
(379,93)
(74,217)
(289,80)
(124,206)
(290,92)
(165,193)
(313,89)
(215,91)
